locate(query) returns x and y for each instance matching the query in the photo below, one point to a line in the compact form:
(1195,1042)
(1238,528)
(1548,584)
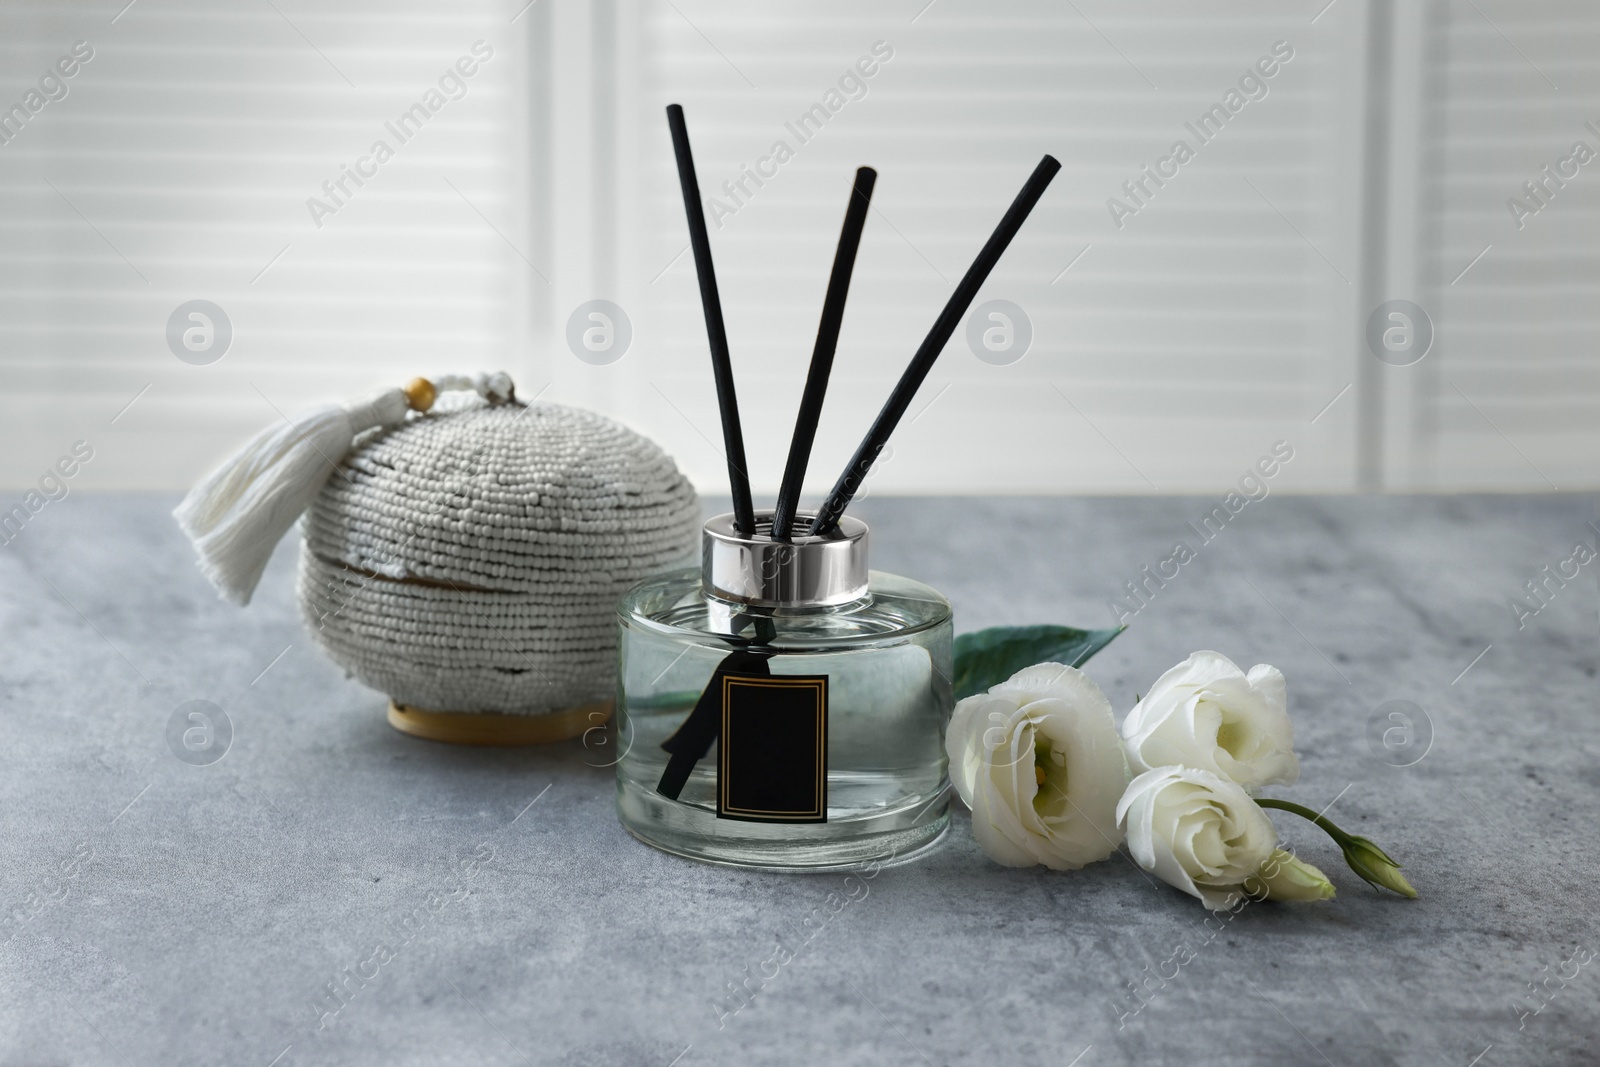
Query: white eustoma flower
(1039,762)
(1196,831)
(1208,714)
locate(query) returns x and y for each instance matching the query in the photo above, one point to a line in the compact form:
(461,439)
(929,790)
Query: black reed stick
(805,424)
(744,516)
(943,327)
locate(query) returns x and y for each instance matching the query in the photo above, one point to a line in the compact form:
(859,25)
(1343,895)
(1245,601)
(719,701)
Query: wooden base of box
(492,728)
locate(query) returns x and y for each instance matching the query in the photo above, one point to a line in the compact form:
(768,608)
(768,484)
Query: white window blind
(1168,353)
(179,167)
(1511,396)
(1227,311)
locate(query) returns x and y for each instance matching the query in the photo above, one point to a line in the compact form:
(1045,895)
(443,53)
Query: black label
(773,764)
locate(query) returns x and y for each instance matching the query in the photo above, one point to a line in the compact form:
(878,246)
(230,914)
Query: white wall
(1228,313)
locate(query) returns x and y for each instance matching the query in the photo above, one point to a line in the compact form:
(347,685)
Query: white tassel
(238,514)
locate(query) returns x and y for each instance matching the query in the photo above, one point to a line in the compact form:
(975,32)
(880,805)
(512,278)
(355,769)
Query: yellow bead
(421,394)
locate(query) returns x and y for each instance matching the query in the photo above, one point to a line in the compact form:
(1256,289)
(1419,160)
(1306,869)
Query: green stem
(1363,856)
(1306,813)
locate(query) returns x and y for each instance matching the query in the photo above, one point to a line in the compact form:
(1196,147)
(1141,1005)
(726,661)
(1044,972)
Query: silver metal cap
(811,572)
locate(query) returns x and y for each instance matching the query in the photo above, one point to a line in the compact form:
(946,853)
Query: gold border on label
(818,683)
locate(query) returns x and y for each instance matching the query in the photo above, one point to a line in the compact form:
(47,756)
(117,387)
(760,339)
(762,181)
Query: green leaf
(988,657)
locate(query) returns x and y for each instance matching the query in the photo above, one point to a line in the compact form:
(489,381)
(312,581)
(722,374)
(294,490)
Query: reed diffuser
(783,706)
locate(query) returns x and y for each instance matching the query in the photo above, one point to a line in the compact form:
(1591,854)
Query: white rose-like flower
(1039,762)
(1208,714)
(1196,831)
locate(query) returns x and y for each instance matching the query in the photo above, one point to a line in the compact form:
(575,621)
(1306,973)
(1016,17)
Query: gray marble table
(158,913)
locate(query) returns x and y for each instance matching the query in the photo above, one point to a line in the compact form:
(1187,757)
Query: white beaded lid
(471,561)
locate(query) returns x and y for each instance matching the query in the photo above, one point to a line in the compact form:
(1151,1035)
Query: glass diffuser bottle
(782,706)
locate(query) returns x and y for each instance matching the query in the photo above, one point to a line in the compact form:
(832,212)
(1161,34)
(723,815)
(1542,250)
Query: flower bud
(1283,877)
(1373,864)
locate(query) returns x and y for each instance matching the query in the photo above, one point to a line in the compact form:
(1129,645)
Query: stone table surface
(159,913)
